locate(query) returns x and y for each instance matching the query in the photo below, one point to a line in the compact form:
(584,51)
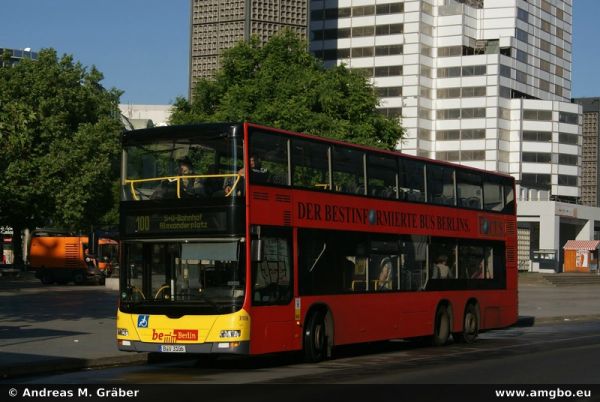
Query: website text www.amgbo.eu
(555,393)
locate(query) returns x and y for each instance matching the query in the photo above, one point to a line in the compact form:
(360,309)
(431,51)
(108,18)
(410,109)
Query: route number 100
(143,223)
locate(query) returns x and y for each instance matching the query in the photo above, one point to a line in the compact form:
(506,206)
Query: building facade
(481,83)
(13,56)
(590,157)
(218,25)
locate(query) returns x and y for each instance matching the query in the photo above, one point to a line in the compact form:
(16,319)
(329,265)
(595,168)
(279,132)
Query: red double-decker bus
(243,239)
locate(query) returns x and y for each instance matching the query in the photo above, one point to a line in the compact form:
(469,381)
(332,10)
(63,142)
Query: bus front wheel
(441,330)
(315,338)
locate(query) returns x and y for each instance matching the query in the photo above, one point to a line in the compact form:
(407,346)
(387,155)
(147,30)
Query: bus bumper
(236,348)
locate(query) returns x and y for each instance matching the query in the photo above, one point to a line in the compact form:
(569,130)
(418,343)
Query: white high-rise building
(485,83)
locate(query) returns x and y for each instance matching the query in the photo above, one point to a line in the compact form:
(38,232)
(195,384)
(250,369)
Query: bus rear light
(230,333)
(122,332)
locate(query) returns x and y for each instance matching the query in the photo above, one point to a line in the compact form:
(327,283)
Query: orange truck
(65,258)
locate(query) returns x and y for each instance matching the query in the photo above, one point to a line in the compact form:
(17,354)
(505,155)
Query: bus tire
(79,277)
(315,338)
(47,278)
(470,326)
(441,329)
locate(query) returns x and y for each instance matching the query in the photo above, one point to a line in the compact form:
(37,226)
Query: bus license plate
(172,348)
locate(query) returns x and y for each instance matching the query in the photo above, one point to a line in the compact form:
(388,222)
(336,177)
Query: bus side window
(310,165)
(272,152)
(272,275)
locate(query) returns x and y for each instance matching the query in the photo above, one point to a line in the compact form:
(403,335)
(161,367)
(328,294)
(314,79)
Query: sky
(142,46)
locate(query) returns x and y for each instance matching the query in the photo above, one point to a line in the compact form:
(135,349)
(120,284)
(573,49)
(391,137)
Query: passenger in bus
(384,281)
(441,270)
(257,175)
(190,187)
(479,271)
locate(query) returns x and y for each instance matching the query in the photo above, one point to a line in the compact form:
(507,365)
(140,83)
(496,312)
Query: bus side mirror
(257,250)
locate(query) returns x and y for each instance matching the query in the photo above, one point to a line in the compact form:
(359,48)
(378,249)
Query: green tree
(59,135)
(281,84)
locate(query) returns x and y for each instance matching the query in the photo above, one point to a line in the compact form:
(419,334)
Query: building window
(465,71)
(472,155)
(546,6)
(537,136)
(391,29)
(467,113)
(540,115)
(565,138)
(566,180)
(545,46)
(362,11)
(393,8)
(521,56)
(568,118)
(536,157)
(536,181)
(566,159)
(389,50)
(387,92)
(388,71)
(449,51)
(522,15)
(522,35)
(545,65)
(358,32)
(521,76)
(546,27)
(452,156)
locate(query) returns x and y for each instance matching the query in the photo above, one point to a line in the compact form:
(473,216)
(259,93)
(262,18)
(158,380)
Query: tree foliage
(59,135)
(281,84)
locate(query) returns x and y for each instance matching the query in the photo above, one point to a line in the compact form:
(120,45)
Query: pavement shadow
(22,334)
(58,304)
(525,321)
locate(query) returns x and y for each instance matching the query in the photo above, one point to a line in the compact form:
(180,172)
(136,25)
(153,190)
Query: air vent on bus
(287,218)
(283,198)
(511,255)
(511,228)
(260,196)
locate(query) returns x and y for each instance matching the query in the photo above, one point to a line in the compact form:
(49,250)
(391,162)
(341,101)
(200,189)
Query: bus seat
(359,286)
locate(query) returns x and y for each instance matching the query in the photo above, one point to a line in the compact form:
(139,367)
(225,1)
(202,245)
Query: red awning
(582,245)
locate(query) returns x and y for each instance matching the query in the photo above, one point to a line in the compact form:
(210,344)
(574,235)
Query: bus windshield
(196,166)
(208,275)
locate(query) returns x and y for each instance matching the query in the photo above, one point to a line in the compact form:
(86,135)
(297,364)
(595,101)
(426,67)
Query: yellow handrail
(133,182)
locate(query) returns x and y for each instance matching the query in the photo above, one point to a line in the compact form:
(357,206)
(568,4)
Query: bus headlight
(122,332)
(230,333)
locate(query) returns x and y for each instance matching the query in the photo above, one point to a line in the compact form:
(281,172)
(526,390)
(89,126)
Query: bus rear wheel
(441,329)
(315,338)
(470,326)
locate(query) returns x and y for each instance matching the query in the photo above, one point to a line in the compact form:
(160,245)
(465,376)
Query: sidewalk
(72,335)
